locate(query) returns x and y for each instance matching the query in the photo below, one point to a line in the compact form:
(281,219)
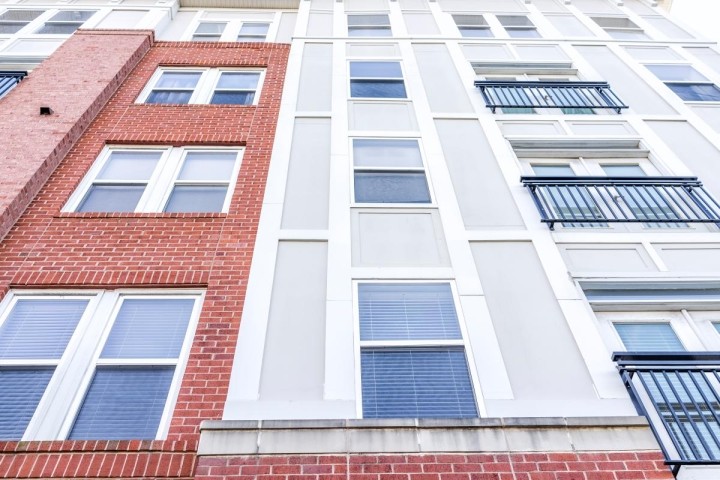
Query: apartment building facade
(453,240)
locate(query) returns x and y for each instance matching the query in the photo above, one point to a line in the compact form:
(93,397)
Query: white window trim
(464,341)
(63,397)
(404,99)
(232,26)
(203,91)
(386,28)
(161,182)
(31,28)
(423,169)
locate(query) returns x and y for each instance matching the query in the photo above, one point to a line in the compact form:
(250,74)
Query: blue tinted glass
(696,93)
(232,98)
(39,328)
(377,89)
(475,32)
(20,392)
(389,187)
(386,153)
(375,70)
(123,403)
(169,97)
(648,337)
(523,33)
(416,383)
(407,311)
(192,198)
(112,198)
(369,32)
(149,328)
(178,80)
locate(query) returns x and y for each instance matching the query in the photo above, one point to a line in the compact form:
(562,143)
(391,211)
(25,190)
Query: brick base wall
(514,466)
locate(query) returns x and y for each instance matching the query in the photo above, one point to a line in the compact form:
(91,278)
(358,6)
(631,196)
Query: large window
(377,25)
(412,354)
(12,21)
(389,171)
(158,180)
(176,86)
(92,365)
(65,22)
(376,80)
(518,26)
(686,82)
(472,26)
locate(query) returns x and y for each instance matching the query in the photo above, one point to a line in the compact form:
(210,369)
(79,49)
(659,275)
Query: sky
(700,15)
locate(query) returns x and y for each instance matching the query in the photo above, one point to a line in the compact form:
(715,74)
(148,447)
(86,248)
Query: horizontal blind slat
(20,392)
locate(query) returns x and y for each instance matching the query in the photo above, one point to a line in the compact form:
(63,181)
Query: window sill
(85,215)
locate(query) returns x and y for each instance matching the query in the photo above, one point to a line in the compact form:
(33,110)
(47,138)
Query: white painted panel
(482,5)
(570,26)
(668,28)
(652,54)
(294,359)
(320,24)
(34,47)
(371,50)
(531,128)
(690,258)
(639,6)
(321,5)
(444,89)
(307,190)
(374,116)
(420,24)
(627,84)
(604,129)
(549,6)
(595,6)
(286,27)
(393,239)
(545,53)
(315,83)
(487,52)
(606,258)
(122,19)
(707,55)
(366,5)
(176,28)
(483,195)
(710,113)
(414,4)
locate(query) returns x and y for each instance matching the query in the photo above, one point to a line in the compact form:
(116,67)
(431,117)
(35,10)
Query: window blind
(123,403)
(39,329)
(416,383)
(648,337)
(21,391)
(407,312)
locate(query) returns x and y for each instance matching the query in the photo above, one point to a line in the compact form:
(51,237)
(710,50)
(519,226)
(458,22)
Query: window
(648,337)
(376,80)
(472,26)
(620,28)
(12,21)
(569,203)
(209,32)
(9,80)
(542,91)
(62,377)
(389,171)
(686,82)
(412,355)
(203,86)
(369,25)
(65,22)
(228,30)
(158,180)
(518,26)
(253,32)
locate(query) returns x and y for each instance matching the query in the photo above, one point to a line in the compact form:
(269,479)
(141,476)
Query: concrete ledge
(558,434)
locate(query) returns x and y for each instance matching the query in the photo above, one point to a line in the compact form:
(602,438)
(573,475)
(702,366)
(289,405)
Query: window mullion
(204,87)
(161,183)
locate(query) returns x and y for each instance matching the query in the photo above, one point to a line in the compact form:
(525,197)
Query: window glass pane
(58,28)
(191,198)
(123,403)
(407,312)
(476,32)
(208,166)
(553,170)
(416,383)
(206,38)
(38,328)
(696,93)
(21,15)
(11,27)
(627,34)
(375,70)
(389,187)
(130,166)
(614,22)
(149,328)
(623,171)
(20,392)
(178,80)
(169,98)
(470,20)
(254,29)
(514,21)
(676,72)
(211,28)
(112,198)
(523,33)
(232,98)
(72,16)
(717,327)
(648,337)
(368,20)
(369,31)
(239,80)
(377,89)
(386,153)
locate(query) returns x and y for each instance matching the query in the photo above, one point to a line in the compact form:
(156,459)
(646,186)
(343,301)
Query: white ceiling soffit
(273,4)
(543,147)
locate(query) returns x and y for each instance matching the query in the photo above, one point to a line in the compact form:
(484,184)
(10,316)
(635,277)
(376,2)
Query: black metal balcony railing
(8,80)
(565,95)
(596,201)
(679,393)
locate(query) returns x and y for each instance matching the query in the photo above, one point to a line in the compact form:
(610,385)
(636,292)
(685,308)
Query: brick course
(46,248)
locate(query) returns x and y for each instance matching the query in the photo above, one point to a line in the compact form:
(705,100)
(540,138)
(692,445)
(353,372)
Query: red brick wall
(515,466)
(47,248)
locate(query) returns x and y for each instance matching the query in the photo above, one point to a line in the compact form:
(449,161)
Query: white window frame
(423,169)
(406,98)
(482,24)
(386,29)
(507,29)
(232,27)
(608,30)
(706,81)
(206,85)
(161,182)
(60,403)
(462,342)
